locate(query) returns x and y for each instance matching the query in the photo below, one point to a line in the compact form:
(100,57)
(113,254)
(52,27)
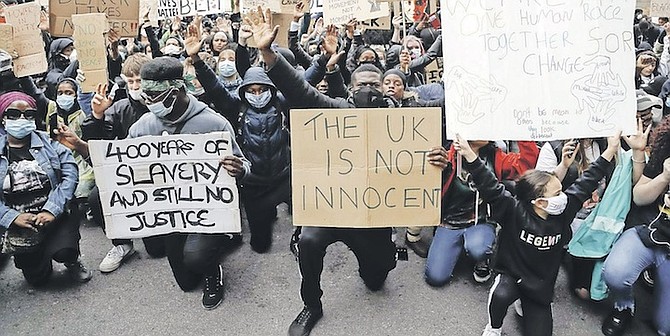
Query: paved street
(261,298)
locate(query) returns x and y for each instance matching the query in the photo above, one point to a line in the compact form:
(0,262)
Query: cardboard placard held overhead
(123,15)
(156,185)
(644,5)
(27,39)
(168,9)
(274,5)
(89,40)
(287,6)
(341,11)
(659,8)
(531,73)
(382,23)
(364,168)
(434,71)
(7,39)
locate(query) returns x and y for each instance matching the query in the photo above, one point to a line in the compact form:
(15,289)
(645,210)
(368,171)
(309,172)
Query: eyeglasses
(15,114)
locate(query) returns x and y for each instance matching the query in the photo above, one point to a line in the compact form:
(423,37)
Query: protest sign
(89,40)
(27,39)
(382,23)
(287,6)
(644,5)
(434,71)
(341,11)
(123,15)
(274,5)
(365,167)
(659,8)
(168,9)
(316,7)
(7,39)
(161,184)
(540,70)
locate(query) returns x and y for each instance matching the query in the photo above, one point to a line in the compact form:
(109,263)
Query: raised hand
(463,147)
(262,28)
(192,44)
(101,101)
(569,153)
(351,27)
(330,40)
(638,141)
(298,11)
(244,34)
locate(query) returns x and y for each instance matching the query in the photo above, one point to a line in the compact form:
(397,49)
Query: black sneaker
(482,271)
(305,321)
(78,272)
(212,293)
(617,322)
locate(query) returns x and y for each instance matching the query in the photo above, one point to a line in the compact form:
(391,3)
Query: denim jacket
(59,165)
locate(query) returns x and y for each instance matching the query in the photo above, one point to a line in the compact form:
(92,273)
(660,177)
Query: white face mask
(172,50)
(136,94)
(555,205)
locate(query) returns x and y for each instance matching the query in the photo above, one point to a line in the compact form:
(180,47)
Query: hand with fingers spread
(298,11)
(101,102)
(613,146)
(318,27)
(192,44)
(438,157)
(330,41)
(71,140)
(261,25)
(638,141)
(351,28)
(233,165)
(334,59)
(397,21)
(113,37)
(176,24)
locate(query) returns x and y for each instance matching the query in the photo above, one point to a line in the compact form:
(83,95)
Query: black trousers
(155,246)
(193,256)
(260,204)
(537,317)
(373,248)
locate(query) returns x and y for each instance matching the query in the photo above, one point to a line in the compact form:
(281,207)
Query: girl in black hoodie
(535,227)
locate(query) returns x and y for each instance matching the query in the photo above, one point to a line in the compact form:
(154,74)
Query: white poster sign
(161,184)
(538,70)
(168,9)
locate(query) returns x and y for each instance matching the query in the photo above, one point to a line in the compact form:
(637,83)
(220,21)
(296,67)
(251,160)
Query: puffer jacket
(261,133)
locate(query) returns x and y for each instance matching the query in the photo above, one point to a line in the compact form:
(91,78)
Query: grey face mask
(258,101)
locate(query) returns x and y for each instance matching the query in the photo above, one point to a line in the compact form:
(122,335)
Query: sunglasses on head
(15,114)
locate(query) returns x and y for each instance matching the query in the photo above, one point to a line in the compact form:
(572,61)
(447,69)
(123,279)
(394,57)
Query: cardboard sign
(434,71)
(540,71)
(644,5)
(156,185)
(28,43)
(274,5)
(364,168)
(659,8)
(89,40)
(123,15)
(7,39)
(341,11)
(168,9)
(287,6)
(382,23)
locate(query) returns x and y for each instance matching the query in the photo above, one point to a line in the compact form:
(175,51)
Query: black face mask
(369,97)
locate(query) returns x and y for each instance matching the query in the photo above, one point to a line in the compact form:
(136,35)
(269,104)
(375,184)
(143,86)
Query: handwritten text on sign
(365,168)
(27,39)
(123,15)
(539,70)
(170,8)
(156,185)
(89,39)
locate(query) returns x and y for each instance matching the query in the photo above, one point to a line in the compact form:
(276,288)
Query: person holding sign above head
(535,227)
(372,246)
(62,64)
(39,178)
(192,256)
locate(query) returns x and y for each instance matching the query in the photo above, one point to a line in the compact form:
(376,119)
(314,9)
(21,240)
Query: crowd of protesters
(517,210)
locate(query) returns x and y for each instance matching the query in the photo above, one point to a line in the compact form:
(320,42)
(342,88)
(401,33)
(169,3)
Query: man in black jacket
(373,247)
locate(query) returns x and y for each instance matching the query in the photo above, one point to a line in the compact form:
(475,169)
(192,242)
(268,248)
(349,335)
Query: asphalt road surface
(262,298)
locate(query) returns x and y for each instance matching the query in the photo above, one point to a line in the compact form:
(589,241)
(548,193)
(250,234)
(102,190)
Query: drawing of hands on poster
(479,96)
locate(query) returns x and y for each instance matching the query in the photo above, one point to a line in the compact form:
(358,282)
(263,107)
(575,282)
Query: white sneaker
(115,257)
(490,331)
(517,308)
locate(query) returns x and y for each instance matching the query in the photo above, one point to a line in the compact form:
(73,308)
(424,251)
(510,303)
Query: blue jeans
(447,245)
(628,258)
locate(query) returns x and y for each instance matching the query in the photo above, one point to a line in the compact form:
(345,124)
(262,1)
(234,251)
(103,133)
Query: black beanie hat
(397,73)
(162,68)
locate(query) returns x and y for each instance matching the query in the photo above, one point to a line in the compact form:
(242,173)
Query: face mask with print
(556,205)
(172,50)
(20,128)
(65,102)
(136,95)
(159,109)
(197,92)
(227,68)
(258,101)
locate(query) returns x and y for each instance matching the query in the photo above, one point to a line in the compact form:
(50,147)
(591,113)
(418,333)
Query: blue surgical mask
(258,101)
(65,102)
(20,128)
(197,92)
(227,68)
(159,109)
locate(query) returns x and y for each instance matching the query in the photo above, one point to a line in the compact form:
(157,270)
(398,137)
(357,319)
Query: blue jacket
(58,163)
